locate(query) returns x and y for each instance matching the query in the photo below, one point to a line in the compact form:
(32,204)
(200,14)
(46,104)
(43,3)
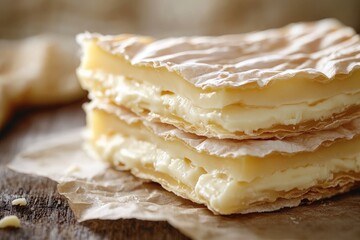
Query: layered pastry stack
(241,123)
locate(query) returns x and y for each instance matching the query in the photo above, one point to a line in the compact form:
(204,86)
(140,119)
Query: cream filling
(228,196)
(220,191)
(282,91)
(170,107)
(244,169)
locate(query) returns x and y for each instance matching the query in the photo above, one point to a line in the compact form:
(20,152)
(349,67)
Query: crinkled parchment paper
(96,191)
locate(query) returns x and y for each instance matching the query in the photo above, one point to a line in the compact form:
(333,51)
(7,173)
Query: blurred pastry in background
(37,71)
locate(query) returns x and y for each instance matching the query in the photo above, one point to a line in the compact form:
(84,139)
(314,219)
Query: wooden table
(48,216)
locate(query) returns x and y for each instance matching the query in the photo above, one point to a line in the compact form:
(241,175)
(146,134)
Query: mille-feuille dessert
(241,123)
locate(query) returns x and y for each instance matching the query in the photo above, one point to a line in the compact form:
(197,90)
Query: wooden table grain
(48,215)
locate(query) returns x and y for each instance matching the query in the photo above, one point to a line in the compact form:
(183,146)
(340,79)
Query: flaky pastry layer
(319,51)
(303,77)
(233,121)
(309,175)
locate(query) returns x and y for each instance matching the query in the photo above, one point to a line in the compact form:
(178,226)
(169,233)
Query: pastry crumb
(10,221)
(294,220)
(19,202)
(72,169)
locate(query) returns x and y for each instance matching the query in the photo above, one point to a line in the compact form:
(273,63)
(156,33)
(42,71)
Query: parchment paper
(96,191)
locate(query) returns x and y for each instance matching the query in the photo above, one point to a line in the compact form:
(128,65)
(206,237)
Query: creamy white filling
(216,188)
(244,168)
(170,107)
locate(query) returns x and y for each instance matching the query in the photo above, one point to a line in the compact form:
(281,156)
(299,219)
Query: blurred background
(38,53)
(162,18)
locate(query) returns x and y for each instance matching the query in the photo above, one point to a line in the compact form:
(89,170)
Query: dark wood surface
(47,215)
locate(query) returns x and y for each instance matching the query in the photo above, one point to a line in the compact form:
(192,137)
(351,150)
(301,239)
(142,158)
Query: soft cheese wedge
(276,83)
(228,176)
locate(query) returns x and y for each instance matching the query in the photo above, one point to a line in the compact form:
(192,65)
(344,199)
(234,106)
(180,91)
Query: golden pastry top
(318,50)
